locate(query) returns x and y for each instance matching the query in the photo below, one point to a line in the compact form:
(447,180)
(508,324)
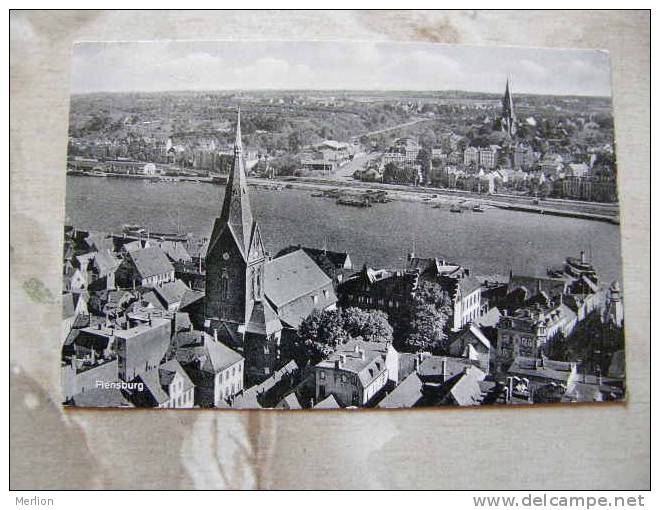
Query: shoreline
(593,211)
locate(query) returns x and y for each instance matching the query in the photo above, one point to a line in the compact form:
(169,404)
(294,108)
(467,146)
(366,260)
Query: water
(381,236)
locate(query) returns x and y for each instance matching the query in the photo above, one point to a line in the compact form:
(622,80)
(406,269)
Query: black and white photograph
(328,225)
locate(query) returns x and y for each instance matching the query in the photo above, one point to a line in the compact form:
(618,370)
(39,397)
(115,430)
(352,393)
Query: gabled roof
(150,261)
(105,262)
(176,251)
(290,402)
(475,332)
(213,356)
(168,370)
(330,402)
(364,359)
(172,292)
(465,389)
(406,394)
(292,276)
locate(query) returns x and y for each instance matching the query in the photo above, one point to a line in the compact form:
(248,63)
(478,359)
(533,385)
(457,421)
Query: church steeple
(508,114)
(236,212)
(235,259)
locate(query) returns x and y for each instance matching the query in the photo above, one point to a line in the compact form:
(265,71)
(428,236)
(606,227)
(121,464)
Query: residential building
(146,267)
(356,372)
(216,370)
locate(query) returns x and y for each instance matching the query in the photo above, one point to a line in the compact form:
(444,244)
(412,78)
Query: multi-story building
(216,370)
(530,328)
(356,372)
(471,156)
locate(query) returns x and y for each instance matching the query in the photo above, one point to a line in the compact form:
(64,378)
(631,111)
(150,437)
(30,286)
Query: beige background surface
(589,446)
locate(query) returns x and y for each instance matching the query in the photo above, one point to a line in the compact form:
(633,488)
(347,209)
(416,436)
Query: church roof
(264,320)
(236,212)
(292,276)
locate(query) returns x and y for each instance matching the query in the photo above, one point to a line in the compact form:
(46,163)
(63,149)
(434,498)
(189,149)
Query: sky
(231,65)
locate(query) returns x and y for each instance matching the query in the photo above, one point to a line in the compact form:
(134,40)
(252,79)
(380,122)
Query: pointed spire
(236,212)
(238,144)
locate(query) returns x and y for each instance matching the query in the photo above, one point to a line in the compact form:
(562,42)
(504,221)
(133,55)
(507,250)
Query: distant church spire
(236,212)
(508,114)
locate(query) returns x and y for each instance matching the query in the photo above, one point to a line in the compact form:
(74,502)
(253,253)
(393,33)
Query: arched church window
(224,284)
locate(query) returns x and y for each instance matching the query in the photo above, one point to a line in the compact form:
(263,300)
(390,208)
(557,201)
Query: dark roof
(406,394)
(150,262)
(335,258)
(264,320)
(169,369)
(536,284)
(431,367)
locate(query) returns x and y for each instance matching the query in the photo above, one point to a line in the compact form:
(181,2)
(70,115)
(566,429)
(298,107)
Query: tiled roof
(105,262)
(196,345)
(292,276)
(465,389)
(151,262)
(406,394)
(367,364)
(172,292)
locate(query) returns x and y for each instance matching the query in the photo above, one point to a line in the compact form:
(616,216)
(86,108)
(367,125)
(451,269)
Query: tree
(371,325)
(426,326)
(322,331)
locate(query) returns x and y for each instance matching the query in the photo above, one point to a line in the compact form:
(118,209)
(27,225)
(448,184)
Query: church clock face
(225,256)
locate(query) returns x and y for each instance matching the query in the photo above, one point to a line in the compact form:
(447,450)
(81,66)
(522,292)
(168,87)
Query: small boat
(455,208)
(477,208)
(133,229)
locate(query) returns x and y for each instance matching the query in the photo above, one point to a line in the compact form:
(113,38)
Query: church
(255,302)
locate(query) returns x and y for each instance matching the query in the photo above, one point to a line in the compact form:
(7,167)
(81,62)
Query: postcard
(332,225)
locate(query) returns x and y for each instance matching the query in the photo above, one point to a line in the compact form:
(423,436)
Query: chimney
(361,352)
(342,360)
(444,370)
(215,334)
(582,257)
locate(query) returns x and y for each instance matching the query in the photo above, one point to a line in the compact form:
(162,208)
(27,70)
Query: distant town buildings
(169,321)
